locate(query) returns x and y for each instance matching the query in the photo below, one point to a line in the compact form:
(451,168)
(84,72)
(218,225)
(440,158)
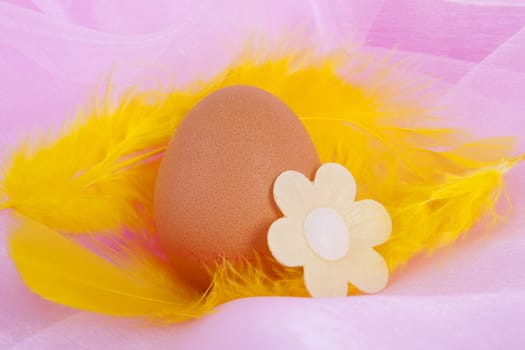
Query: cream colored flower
(328,233)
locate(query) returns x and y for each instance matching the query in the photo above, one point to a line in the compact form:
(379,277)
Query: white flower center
(326,233)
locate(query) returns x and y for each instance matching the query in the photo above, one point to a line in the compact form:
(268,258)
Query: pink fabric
(55,53)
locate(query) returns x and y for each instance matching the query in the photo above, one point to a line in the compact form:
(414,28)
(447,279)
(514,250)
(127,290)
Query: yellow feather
(433,216)
(99,176)
(128,282)
(99,168)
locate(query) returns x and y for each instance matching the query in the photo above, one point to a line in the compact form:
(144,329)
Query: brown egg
(213,196)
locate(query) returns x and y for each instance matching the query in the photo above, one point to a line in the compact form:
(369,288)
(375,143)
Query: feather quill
(99,176)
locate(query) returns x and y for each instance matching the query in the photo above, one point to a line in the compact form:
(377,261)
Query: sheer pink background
(55,53)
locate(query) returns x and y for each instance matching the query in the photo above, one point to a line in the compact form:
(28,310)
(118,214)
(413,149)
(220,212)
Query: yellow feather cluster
(99,177)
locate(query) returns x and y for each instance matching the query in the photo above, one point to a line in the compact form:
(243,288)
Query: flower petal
(365,269)
(293,194)
(335,186)
(287,243)
(368,222)
(325,279)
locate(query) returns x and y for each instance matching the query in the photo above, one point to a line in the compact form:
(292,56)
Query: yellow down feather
(98,176)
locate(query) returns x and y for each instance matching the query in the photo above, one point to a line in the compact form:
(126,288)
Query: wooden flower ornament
(329,233)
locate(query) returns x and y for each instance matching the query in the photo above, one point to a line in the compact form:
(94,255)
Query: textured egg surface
(213,196)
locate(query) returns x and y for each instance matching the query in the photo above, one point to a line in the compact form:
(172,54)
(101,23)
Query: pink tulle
(55,53)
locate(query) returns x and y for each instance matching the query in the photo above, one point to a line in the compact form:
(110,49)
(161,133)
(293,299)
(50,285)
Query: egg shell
(213,196)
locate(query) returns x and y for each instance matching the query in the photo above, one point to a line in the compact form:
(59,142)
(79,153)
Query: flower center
(326,233)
